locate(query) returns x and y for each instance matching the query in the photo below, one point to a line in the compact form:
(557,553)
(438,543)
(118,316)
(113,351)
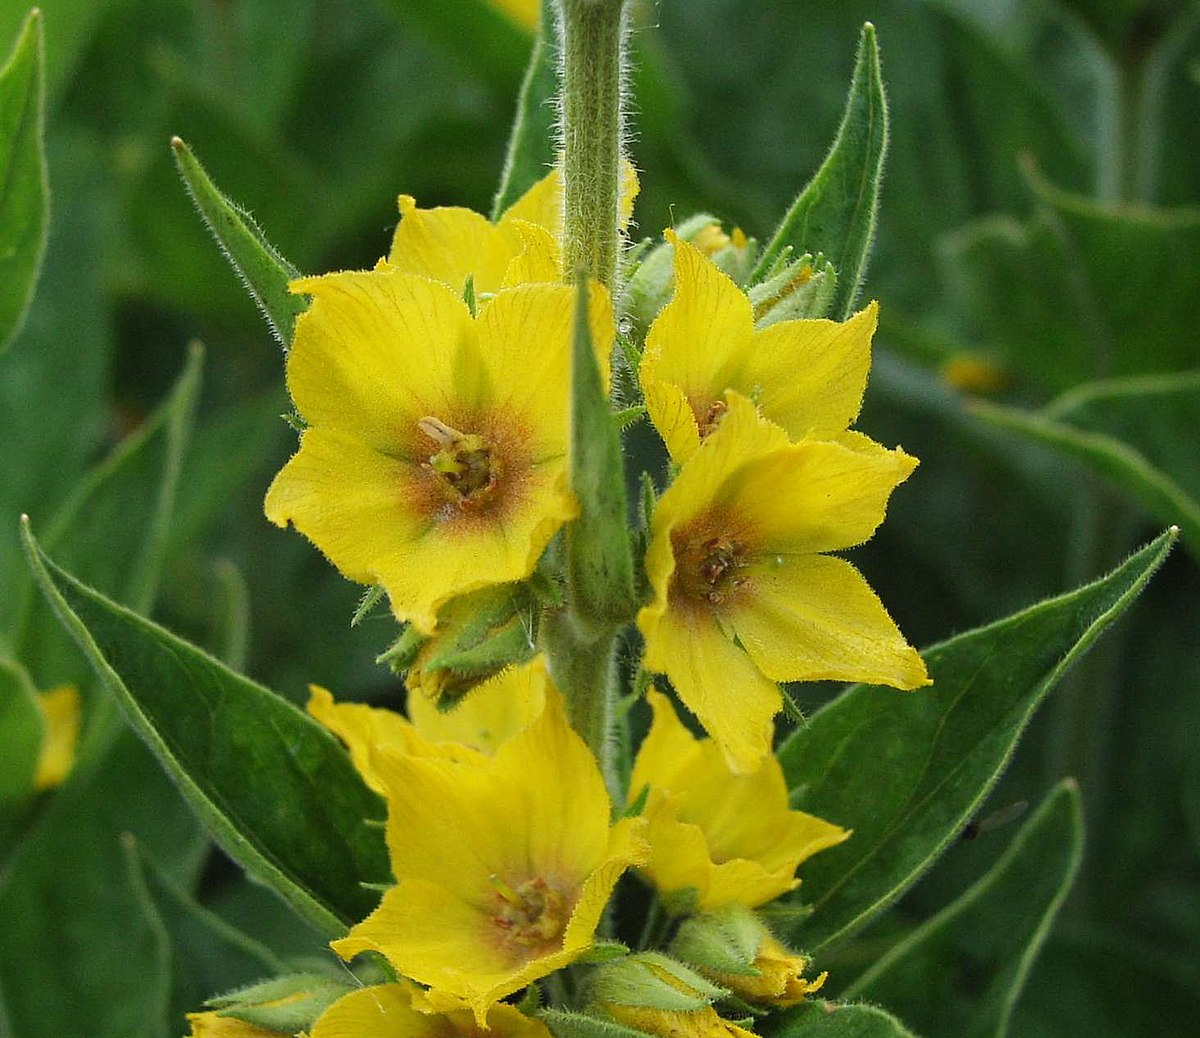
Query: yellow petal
(542,204)
(490,714)
(383,1011)
(379,350)
(450,244)
(213,1025)
(814,496)
(698,343)
(809,376)
(813,618)
(716,680)
(538,258)
(60,714)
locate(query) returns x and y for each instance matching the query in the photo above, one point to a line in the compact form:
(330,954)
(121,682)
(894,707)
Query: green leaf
(835,213)
(960,973)
(263,271)
(275,788)
(906,770)
(532,144)
(1134,432)
(599,562)
(828,1020)
(22,729)
(24,191)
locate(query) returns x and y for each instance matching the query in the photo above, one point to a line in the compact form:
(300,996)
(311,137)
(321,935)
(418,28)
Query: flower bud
(283,1005)
(802,288)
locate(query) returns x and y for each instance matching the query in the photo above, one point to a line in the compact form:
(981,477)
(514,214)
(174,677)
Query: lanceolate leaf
(599,563)
(826,1020)
(24,194)
(263,271)
(959,974)
(275,789)
(1132,431)
(906,770)
(835,213)
(22,729)
(531,145)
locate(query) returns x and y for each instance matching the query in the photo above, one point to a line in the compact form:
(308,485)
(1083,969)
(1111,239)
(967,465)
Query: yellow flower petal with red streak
(504,865)
(731,539)
(60,713)
(387,1011)
(391,371)
(808,376)
(730,837)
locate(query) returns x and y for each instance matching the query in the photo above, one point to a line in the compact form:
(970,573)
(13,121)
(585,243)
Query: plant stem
(593,34)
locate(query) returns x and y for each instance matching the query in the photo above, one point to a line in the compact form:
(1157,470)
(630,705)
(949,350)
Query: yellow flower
(730,838)
(435,458)
(778,978)
(807,375)
(743,597)
(387,1011)
(524,12)
(488,717)
(504,865)
(451,243)
(60,712)
(217,1025)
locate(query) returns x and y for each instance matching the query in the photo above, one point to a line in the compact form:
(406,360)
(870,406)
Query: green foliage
(24,192)
(906,771)
(835,213)
(532,142)
(274,787)
(826,1020)
(262,270)
(23,728)
(961,971)
(599,563)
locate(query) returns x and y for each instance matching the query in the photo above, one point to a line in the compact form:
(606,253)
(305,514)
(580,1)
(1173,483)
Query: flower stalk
(592,39)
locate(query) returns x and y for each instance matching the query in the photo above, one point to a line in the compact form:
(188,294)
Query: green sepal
(532,144)
(237,751)
(25,196)
(725,941)
(829,1020)
(370,599)
(947,745)
(262,269)
(652,980)
(835,213)
(599,560)
(604,951)
(638,804)
(566,1024)
(300,998)
(961,971)
(803,288)
(400,654)
(478,635)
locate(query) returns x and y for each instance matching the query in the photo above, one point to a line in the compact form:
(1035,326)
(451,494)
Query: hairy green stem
(593,33)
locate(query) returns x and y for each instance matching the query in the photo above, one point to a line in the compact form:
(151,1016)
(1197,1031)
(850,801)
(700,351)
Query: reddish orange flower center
(531,916)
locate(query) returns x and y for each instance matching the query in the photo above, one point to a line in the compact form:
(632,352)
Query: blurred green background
(1039,217)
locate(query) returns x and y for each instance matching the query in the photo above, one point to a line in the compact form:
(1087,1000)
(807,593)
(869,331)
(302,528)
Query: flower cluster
(436,463)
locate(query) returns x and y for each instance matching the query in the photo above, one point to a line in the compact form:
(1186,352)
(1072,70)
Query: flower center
(712,418)
(465,466)
(532,915)
(708,568)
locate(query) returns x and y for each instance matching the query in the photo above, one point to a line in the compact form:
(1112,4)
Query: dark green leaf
(960,973)
(24,191)
(21,730)
(835,213)
(906,770)
(263,271)
(276,789)
(1134,432)
(828,1020)
(532,143)
(599,563)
